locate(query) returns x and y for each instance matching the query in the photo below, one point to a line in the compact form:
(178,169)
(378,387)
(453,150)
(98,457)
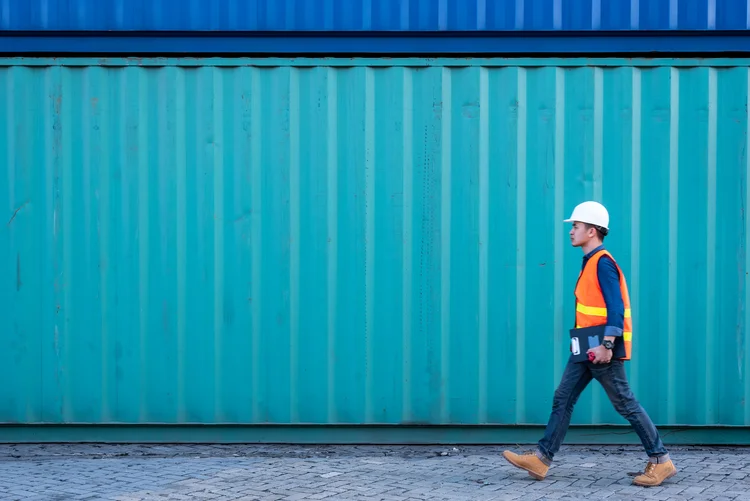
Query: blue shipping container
(503,26)
(373,15)
(366,242)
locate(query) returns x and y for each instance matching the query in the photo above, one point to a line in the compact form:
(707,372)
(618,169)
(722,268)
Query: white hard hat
(591,213)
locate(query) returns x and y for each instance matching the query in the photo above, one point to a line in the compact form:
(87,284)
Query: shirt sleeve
(609,281)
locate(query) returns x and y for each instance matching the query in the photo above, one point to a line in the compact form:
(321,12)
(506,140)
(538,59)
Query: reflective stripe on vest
(591,309)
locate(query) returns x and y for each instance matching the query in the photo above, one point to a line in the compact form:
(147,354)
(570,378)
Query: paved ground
(129,472)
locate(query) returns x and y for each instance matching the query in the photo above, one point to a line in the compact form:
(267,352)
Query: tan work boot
(655,474)
(529,462)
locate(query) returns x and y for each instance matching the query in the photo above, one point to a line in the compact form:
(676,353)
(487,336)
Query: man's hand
(601,355)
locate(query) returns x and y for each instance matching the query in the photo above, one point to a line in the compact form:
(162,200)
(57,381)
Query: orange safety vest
(591,309)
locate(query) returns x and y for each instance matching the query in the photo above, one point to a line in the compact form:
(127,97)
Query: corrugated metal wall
(374,15)
(364,241)
(293,28)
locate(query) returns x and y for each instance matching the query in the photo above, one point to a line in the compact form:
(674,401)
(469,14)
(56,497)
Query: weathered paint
(359,243)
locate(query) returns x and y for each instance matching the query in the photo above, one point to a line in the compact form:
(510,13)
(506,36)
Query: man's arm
(609,281)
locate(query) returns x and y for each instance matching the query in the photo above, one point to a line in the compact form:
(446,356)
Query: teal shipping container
(364,250)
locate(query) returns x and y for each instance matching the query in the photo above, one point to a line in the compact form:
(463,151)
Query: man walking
(601,300)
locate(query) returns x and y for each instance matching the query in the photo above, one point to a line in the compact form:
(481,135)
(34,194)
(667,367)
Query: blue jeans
(612,377)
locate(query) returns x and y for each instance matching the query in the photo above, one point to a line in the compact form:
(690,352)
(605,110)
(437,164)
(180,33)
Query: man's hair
(602,232)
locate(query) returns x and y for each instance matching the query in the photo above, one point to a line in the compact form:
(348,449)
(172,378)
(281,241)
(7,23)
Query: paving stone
(269,473)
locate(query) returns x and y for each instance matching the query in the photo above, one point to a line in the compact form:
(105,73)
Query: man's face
(580,235)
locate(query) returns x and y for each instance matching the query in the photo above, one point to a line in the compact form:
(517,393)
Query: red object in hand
(591,356)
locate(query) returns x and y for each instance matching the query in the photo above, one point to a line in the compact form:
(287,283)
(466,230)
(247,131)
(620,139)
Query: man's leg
(574,380)
(614,381)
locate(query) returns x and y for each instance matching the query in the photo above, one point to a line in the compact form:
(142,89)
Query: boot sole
(656,485)
(536,476)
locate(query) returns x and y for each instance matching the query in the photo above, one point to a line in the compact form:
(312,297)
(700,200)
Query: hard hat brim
(587,222)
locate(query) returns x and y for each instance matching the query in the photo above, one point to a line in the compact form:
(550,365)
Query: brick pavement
(242,472)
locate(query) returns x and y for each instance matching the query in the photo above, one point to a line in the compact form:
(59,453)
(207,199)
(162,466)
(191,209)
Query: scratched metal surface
(367,241)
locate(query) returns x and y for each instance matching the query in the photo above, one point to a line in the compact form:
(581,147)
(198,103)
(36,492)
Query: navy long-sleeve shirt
(609,282)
